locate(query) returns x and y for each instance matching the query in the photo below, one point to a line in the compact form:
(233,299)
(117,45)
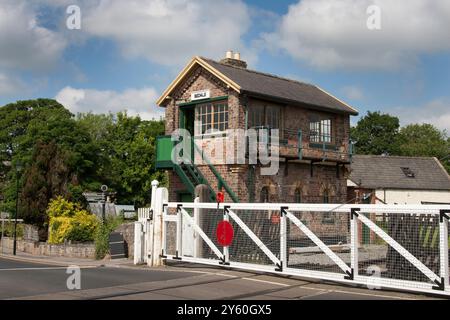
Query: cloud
(170,32)
(10,85)
(435,112)
(352,93)
(331,34)
(25,45)
(136,101)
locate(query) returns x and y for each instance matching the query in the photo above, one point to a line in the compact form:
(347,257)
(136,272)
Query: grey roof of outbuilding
(385,172)
(290,91)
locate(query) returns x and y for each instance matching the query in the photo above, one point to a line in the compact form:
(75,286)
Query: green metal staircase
(188,172)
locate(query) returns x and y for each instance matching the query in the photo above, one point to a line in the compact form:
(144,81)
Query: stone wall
(30,232)
(78,250)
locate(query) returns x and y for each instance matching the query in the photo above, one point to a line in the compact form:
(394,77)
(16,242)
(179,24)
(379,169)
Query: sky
(125,53)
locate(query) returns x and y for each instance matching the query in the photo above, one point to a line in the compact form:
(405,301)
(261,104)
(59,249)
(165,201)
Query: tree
(424,140)
(376,133)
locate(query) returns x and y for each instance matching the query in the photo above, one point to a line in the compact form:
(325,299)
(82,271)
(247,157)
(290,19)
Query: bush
(9,229)
(102,236)
(68,222)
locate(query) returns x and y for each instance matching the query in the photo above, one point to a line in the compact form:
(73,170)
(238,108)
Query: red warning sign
(224,233)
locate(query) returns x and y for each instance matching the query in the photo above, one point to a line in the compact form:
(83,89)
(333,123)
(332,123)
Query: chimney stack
(234,60)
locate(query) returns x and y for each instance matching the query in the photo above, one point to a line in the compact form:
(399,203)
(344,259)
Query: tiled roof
(271,86)
(378,172)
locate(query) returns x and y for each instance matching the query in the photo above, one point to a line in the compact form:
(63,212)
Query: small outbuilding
(398,180)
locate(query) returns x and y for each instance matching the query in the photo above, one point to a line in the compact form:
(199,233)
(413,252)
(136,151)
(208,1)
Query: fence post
(137,259)
(161,197)
(226,250)
(179,245)
(354,243)
(443,257)
(148,227)
(197,238)
(283,238)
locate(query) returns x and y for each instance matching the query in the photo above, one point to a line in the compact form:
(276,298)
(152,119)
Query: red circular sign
(224,233)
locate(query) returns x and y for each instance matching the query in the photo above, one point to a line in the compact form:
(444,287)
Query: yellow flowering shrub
(69,222)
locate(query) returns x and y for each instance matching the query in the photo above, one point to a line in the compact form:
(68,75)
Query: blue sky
(127,52)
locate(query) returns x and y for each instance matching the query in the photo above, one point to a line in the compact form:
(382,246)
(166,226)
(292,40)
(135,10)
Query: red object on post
(220,197)
(224,233)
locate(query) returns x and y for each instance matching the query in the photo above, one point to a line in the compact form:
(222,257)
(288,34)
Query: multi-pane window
(320,131)
(211,117)
(264,116)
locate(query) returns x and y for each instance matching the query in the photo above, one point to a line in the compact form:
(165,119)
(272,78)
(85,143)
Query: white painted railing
(380,246)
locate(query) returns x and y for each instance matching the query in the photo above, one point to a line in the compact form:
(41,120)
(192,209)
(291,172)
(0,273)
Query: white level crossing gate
(380,246)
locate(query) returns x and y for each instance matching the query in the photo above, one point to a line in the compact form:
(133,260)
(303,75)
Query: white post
(197,238)
(179,245)
(443,235)
(161,197)
(283,239)
(138,243)
(354,242)
(226,251)
(155,184)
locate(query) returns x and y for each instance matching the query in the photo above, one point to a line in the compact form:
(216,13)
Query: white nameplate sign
(198,95)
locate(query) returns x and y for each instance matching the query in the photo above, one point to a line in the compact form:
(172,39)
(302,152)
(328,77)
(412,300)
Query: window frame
(265,116)
(323,126)
(213,117)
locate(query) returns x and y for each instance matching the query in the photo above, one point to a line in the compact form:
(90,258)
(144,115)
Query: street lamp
(18,169)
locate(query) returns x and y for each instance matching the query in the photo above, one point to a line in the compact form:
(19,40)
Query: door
(187,122)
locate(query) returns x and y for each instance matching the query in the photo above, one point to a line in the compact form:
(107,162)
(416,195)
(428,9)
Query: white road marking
(45,268)
(268,282)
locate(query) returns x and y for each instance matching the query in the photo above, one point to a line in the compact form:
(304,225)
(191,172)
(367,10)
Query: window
(408,172)
(320,131)
(297,196)
(264,116)
(264,195)
(212,117)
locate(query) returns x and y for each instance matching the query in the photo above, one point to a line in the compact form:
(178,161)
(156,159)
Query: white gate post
(137,259)
(161,197)
(197,239)
(283,239)
(443,257)
(354,243)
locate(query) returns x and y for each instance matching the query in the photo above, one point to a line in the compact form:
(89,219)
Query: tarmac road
(31,280)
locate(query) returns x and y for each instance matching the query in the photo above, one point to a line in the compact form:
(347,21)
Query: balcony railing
(294,143)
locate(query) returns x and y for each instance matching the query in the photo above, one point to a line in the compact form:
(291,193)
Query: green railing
(221,181)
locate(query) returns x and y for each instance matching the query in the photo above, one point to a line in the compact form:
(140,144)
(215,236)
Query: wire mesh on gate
(333,231)
(265,225)
(416,233)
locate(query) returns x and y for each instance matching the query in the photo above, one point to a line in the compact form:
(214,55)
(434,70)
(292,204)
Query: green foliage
(379,133)
(65,156)
(423,140)
(9,229)
(376,133)
(68,222)
(102,236)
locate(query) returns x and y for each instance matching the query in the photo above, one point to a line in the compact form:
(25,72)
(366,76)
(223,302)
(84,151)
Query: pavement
(26,277)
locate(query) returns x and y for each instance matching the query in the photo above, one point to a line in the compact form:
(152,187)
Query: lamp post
(18,169)
(104,188)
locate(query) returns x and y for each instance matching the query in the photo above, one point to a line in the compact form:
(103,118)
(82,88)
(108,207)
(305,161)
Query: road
(30,280)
